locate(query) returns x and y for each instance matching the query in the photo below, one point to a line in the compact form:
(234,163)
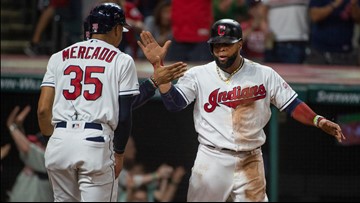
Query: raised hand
(151,47)
(332,129)
(18,118)
(166,74)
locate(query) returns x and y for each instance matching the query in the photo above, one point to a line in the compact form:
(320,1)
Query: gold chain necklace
(227,80)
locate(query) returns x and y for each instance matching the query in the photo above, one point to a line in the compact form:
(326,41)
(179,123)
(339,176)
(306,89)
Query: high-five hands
(155,54)
(166,74)
(151,47)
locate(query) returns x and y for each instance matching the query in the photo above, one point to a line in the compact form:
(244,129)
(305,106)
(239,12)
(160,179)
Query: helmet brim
(223,40)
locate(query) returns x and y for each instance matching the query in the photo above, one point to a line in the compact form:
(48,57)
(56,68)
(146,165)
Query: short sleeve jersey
(232,115)
(88,78)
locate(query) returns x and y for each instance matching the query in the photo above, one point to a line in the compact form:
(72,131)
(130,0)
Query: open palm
(151,48)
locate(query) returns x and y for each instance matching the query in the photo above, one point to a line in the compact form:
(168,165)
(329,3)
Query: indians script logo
(234,97)
(221,30)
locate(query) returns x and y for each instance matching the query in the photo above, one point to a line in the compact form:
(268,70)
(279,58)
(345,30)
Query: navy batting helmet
(225,31)
(104,17)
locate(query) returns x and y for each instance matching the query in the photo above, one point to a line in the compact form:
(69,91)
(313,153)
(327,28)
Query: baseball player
(232,105)
(87,92)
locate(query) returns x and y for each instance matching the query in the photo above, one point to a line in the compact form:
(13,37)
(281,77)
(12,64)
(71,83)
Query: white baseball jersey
(232,115)
(88,77)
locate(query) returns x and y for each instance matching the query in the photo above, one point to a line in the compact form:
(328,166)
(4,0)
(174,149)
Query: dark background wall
(312,166)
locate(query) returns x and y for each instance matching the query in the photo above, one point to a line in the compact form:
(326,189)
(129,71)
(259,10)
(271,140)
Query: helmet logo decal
(221,30)
(95,27)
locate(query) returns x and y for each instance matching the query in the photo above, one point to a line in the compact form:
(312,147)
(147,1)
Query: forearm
(122,135)
(125,122)
(301,112)
(165,88)
(147,90)
(22,143)
(304,114)
(173,100)
(44,111)
(149,177)
(320,13)
(170,191)
(46,128)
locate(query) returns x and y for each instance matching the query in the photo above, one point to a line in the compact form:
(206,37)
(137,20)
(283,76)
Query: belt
(230,150)
(96,126)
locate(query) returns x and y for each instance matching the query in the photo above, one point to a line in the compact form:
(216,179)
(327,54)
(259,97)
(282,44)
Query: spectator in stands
(159,24)
(172,184)
(288,22)
(130,179)
(191,22)
(71,18)
(5,150)
(255,32)
(160,189)
(32,184)
(332,29)
(147,7)
(136,21)
(234,9)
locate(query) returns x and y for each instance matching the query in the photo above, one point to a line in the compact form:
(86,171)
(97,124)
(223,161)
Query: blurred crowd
(136,182)
(292,31)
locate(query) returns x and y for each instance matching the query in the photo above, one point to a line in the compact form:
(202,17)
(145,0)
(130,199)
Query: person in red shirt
(191,23)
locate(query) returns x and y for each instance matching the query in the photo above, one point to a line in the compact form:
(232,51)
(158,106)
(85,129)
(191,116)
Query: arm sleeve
(291,107)
(303,113)
(123,130)
(49,77)
(281,93)
(147,90)
(173,100)
(129,83)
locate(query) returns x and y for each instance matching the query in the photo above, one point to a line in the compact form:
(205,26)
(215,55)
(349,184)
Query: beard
(228,62)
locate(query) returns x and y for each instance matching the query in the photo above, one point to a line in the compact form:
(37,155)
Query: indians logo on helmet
(221,30)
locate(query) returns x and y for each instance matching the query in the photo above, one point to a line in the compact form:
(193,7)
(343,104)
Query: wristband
(317,119)
(152,83)
(156,84)
(13,127)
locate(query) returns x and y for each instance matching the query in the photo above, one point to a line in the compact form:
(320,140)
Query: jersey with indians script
(233,114)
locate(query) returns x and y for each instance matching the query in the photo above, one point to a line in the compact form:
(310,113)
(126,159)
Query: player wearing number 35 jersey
(232,106)
(84,88)
(87,74)
(88,92)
